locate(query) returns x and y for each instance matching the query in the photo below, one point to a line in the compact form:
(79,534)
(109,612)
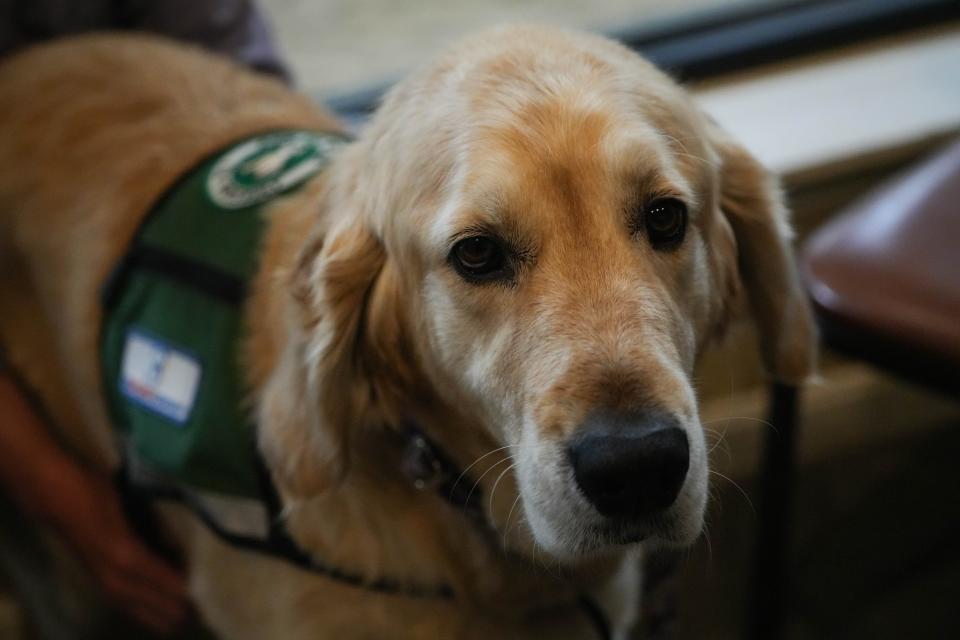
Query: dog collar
(428,468)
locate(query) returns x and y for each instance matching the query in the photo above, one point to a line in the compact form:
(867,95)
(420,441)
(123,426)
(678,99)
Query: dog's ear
(318,394)
(753,204)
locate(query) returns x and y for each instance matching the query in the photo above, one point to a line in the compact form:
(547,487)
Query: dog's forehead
(579,127)
(558,158)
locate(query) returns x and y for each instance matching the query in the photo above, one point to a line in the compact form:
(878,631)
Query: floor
(874,556)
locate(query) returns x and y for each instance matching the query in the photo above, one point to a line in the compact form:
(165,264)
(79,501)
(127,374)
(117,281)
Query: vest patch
(259,169)
(159,377)
(173,326)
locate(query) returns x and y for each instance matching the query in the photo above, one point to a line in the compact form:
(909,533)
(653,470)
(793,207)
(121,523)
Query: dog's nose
(630,465)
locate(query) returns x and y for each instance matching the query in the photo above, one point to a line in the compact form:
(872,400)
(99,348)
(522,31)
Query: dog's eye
(665,220)
(479,258)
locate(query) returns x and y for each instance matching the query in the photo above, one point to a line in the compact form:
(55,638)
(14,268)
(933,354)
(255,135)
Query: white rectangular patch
(159,377)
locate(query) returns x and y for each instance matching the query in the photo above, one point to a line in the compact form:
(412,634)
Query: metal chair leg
(771,579)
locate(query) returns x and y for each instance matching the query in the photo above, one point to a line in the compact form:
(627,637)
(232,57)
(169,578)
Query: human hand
(84,507)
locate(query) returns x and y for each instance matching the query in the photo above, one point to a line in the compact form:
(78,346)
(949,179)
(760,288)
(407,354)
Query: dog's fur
(550,139)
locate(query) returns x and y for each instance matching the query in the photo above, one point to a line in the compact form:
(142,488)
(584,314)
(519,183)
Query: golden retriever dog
(524,253)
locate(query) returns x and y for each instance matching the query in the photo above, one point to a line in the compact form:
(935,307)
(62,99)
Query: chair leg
(771,580)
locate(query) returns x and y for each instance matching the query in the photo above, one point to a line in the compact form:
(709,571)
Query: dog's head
(544,228)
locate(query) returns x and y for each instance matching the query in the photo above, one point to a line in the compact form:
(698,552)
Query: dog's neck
(379,524)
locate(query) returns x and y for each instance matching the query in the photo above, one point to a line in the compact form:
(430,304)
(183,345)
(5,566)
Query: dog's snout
(630,466)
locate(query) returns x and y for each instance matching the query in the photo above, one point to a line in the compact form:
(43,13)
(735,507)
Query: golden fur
(357,321)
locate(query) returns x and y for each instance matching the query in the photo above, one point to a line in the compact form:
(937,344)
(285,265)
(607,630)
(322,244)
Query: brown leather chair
(884,278)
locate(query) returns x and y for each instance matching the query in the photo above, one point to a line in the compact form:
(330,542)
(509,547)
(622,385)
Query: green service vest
(173,320)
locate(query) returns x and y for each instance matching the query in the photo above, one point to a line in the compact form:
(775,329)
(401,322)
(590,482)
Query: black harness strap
(428,467)
(212,282)
(280,544)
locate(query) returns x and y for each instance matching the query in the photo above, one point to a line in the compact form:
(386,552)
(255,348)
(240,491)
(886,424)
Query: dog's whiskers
(493,491)
(506,526)
(477,483)
(683,149)
(474,463)
(706,537)
(719,435)
(748,418)
(737,487)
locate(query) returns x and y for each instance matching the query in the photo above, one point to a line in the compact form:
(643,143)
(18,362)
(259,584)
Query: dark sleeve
(235,28)
(26,22)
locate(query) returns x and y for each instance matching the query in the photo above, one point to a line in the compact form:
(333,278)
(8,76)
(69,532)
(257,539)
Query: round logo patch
(259,169)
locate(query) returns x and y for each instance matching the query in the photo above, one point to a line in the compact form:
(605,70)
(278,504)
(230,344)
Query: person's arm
(235,28)
(83,506)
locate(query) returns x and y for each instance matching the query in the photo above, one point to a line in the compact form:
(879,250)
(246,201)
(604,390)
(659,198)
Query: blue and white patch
(160,377)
